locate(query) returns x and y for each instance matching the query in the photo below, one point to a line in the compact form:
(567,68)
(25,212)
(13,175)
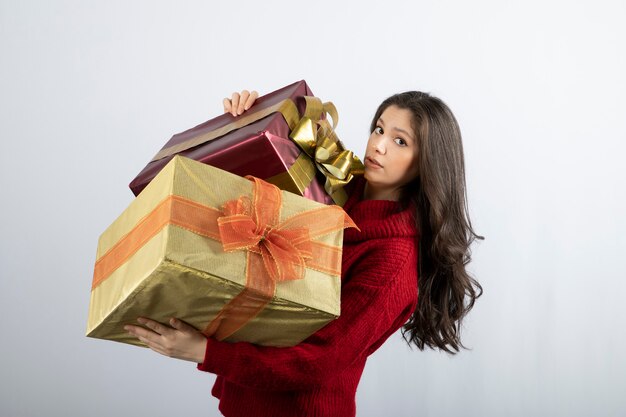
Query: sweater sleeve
(376,300)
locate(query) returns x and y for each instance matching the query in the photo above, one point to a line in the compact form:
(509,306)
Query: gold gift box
(153,262)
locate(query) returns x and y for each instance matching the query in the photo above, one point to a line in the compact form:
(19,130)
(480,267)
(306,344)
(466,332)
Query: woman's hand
(181,341)
(239,103)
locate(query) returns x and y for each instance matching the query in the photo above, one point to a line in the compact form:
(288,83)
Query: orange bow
(276,251)
(252,227)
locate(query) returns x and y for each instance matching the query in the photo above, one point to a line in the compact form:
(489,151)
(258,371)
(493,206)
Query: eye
(400,141)
(378,130)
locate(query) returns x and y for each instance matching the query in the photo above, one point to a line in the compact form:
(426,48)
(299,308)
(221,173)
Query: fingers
(154,325)
(156,330)
(227,105)
(152,335)
(149,337)
(238,103)
(181,326)
(245,94)
(182,341)
(251,99)
(156,335)
(234,103)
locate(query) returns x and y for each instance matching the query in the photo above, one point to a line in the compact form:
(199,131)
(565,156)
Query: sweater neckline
(377,218)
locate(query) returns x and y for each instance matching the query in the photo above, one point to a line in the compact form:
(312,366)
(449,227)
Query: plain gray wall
(89,91)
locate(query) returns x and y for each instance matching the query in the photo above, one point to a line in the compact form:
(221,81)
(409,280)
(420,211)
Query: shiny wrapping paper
(256,143)
(157,262)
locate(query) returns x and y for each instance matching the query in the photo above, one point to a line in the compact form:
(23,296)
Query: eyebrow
(380,119)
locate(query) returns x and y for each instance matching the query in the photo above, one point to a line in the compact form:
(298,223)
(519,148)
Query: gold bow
(316,137)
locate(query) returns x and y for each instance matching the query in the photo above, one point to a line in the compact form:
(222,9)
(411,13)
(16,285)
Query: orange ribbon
(276,251)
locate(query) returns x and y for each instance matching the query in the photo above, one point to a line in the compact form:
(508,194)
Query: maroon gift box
(262,148)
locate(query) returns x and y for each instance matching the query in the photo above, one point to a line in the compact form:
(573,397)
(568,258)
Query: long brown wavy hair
(446,291)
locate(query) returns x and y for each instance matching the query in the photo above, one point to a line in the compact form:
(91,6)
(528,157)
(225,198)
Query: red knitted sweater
(319,376)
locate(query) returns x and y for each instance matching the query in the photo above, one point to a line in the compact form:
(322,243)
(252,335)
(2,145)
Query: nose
(379,144)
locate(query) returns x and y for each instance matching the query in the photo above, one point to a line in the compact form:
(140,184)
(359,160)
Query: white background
(89,91)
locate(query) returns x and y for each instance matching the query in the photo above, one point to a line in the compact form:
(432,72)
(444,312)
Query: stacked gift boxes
(175,251)
(171,252)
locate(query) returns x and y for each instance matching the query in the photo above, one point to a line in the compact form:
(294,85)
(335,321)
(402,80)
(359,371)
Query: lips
(373,161)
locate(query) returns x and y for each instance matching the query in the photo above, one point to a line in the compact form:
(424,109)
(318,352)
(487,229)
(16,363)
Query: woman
(411,210)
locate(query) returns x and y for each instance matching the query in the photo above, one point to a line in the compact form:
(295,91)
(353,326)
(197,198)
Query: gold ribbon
(311,132)
(317,138)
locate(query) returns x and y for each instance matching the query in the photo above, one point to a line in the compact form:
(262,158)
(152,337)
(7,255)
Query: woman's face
(391,155)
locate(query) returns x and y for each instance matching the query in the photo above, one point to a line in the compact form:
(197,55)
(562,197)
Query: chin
(368,175)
